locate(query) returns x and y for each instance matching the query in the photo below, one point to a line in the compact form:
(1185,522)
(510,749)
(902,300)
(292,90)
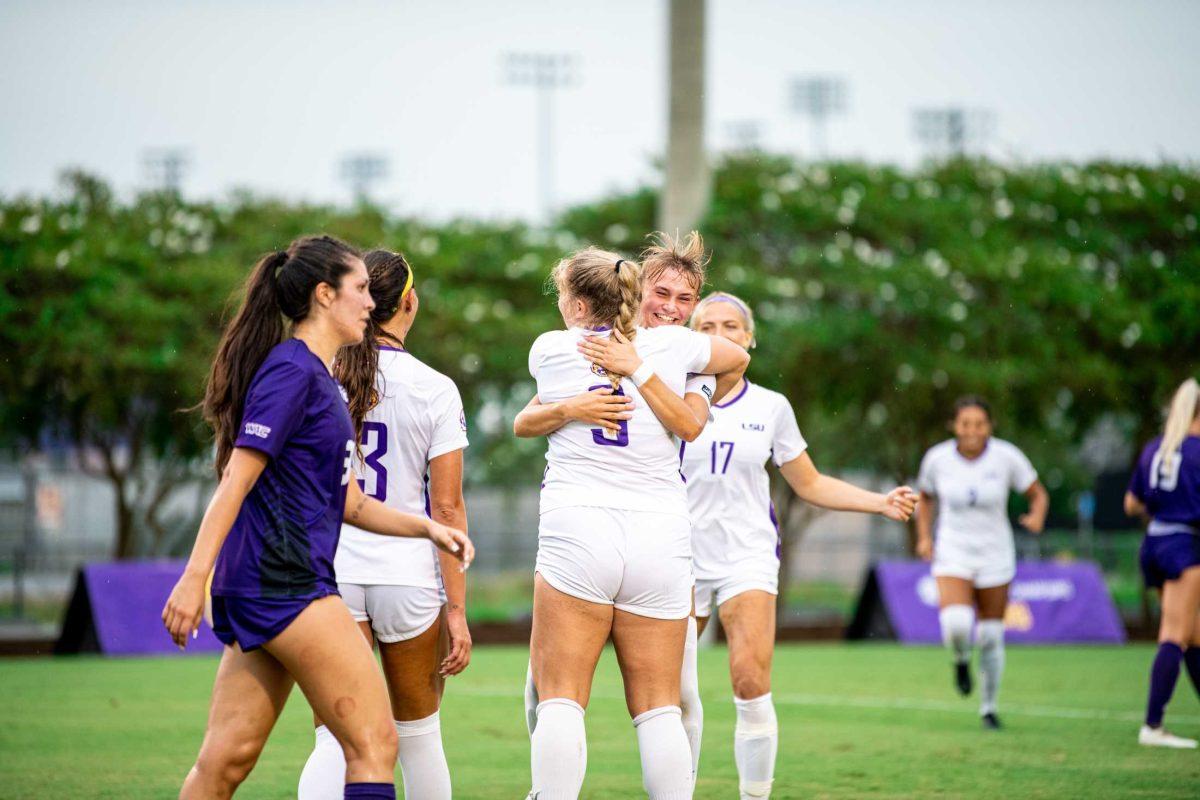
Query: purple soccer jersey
(286,533)
(1173,496)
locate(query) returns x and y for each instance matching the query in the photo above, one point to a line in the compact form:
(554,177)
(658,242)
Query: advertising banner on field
(1048,602)
(117,610)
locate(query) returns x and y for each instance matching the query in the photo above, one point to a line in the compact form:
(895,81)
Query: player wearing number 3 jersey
(614,557)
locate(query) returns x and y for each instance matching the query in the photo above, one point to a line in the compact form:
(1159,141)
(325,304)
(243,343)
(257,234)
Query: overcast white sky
(270,94)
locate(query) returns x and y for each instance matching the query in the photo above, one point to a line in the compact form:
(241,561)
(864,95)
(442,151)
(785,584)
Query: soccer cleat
(962,678)
(990,721)
(1159,737)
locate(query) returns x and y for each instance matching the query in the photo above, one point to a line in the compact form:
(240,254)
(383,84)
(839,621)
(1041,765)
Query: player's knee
(375,743)
(227,766)
(750,680)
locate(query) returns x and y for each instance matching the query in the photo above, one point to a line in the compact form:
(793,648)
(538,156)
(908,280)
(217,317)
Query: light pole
(953,130)
(818,97)
(545,72)
(745,135)
(361,170)
(165,167)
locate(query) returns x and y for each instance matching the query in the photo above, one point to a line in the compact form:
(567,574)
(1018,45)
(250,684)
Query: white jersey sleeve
(788,442)
(1021,471)
(925,473)
(449,422)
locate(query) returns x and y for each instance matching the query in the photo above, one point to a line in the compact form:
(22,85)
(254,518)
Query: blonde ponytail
(1179,419)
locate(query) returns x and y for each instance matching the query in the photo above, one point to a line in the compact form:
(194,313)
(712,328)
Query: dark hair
(971,401)
(357,364)
(281,285)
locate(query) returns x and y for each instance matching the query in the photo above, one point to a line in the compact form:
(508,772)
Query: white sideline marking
(904,703)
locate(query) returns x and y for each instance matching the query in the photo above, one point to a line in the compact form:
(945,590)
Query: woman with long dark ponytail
(411,433)
(284,448)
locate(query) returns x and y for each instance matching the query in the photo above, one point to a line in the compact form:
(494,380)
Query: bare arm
(371,515)
(448,507)
(1039,503)
(599,407)
(821,490)
(1134,507)
(728,363)
(185,607)
(925,512)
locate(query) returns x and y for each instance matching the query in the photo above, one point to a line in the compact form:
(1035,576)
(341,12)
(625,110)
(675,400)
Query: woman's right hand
(599,407)
(925,548)
(184,609)
(453,541)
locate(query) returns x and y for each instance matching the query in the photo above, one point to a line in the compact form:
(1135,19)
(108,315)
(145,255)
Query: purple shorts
(253,621)
(1165,557)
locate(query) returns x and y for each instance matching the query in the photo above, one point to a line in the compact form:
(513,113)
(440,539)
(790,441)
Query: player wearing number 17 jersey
(412,434)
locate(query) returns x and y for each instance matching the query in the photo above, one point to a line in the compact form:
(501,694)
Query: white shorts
(712,593)
(636,561)
(984,567)
(396,613)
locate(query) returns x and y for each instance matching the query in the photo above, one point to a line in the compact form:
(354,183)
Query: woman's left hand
(615,353)
(900,503)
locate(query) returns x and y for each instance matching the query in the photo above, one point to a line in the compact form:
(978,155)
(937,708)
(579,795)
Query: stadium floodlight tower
(545,72)
(361,171)
(745,135)
(818,97)
(953,131)
(165,168)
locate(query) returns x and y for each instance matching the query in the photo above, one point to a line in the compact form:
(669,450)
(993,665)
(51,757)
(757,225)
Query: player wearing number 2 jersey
(412,433)
(613,550)
(734,533)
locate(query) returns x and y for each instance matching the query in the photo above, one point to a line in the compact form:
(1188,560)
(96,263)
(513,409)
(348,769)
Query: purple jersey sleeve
(274,408)
(1139,481)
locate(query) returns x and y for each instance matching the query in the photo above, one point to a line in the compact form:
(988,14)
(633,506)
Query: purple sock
(370,791)
(1163,675)
(1191,658)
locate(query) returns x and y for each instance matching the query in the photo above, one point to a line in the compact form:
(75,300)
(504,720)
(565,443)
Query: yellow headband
(408,284)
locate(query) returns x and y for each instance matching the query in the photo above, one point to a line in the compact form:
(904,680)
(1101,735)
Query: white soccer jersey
(637,469)
(972,495)
(733,524)
(419,417)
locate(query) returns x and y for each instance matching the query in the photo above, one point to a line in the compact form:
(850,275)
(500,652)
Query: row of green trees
(1064,293)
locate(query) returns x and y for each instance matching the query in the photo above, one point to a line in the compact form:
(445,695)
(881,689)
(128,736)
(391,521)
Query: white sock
(324,774)
(957,622)
(558,750)
(755,742)
(991,663)
(689,697)
(422,759)
(666,760)
(531,701)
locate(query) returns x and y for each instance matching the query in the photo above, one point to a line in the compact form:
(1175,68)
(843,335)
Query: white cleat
(1159,737)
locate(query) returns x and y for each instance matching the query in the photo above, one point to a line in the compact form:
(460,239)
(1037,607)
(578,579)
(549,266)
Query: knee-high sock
(689,696)
(1191,658)
(422,759)
(558,750)
(1163,675)
(957,622)
(755,742)
(324,774)
(991,663)
(531,701)
(666,760)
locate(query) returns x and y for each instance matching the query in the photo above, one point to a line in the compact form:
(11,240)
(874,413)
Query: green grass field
(856,721)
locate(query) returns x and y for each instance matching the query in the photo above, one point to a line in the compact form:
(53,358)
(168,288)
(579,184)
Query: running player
(613,550)
(673,273)
(284,448)
(967,479)
(412,433)
(1166,487)
(734,533)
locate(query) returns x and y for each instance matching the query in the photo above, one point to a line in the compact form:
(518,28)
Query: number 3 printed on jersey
(374,447)
(604,436)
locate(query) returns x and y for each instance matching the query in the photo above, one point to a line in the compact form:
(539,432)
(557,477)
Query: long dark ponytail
(279,288)
(357,364)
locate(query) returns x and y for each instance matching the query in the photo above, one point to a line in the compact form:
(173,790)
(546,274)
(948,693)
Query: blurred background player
(614,556)
(673,273)
(411,432)
(735,534)
(285,442)
(1166,488)
(967,481)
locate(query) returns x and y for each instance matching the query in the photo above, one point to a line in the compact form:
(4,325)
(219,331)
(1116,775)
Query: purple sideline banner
(126,601)
(1047,602)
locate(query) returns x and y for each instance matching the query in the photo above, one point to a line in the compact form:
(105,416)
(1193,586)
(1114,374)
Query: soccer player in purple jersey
(1165,489)
(284,447)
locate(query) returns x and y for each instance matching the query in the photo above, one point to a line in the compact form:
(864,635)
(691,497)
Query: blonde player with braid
(614,551)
